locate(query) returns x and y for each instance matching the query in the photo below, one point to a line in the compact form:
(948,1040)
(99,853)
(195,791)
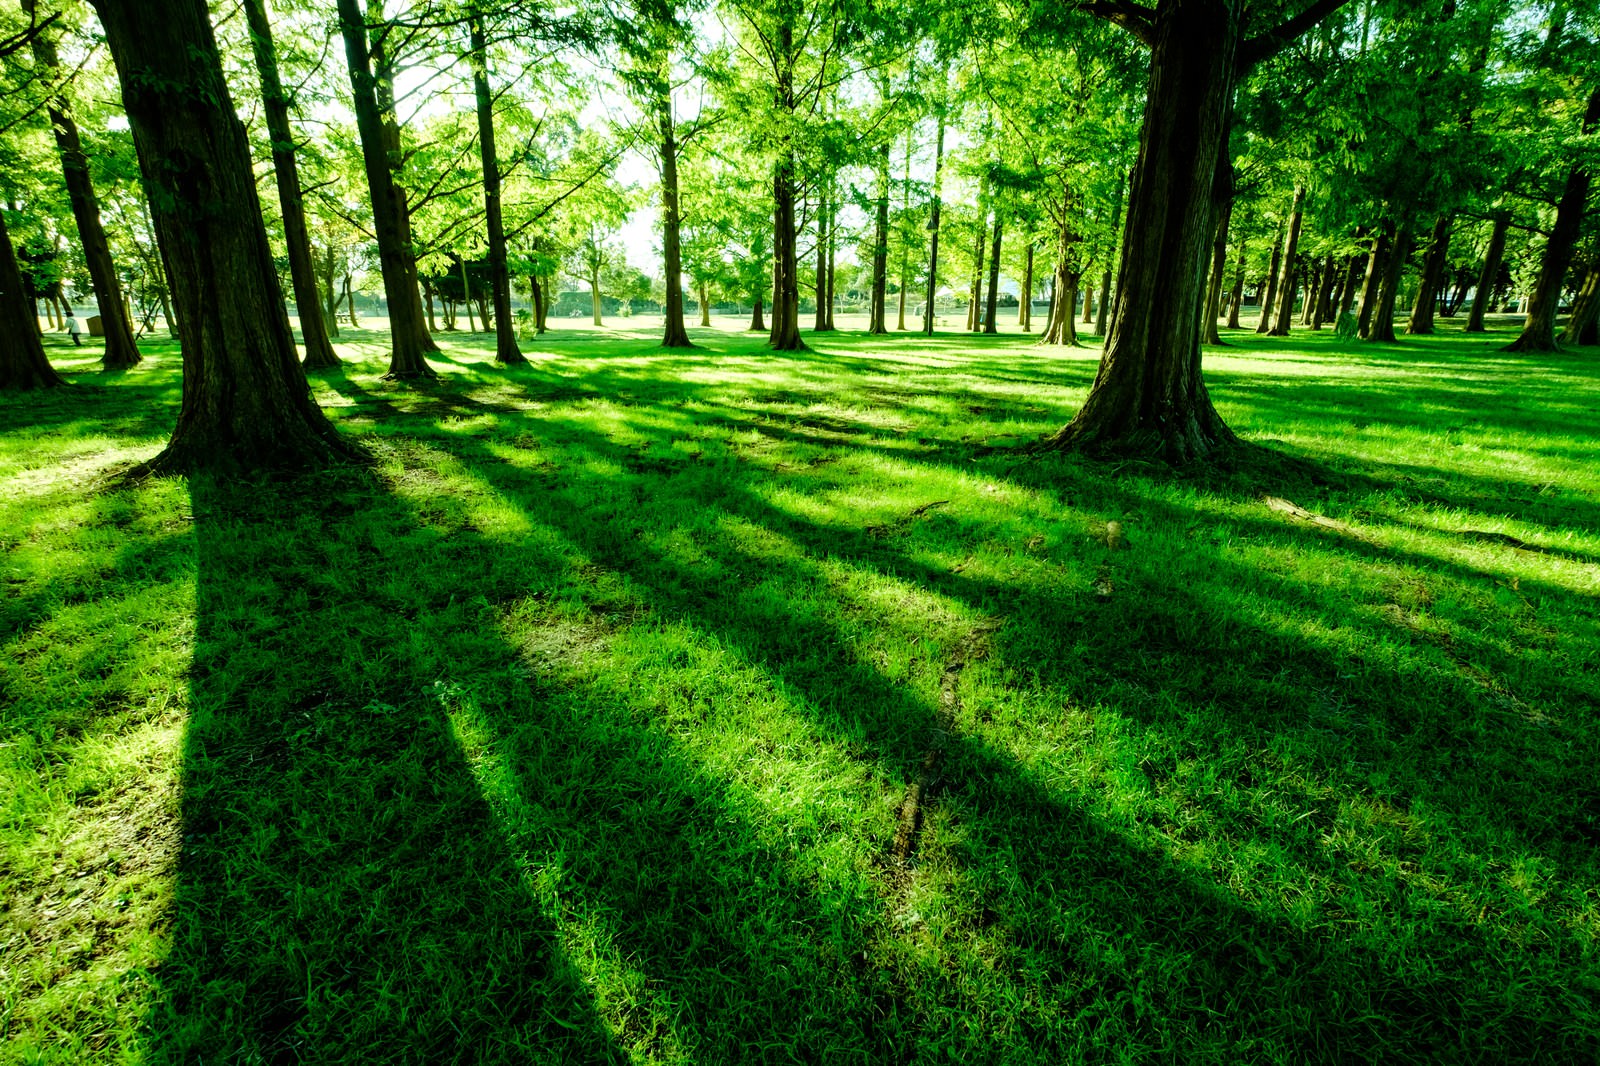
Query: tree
(22,360)
(313,330)
(246,403)
(121,351)
(506,351)
(1148,395)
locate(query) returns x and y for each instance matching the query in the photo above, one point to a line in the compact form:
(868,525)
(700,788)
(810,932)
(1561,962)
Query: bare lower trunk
(674,333)
(1148,395)
(1269,298)
(22,360)
(1491,272)
(1237,298)
(121,351)
(407,329)
(1219,265)
(821,325)
(1433,264)
(705,305)
(757,323)
(1582,326)
(595,305)
(506,352)
(905,245)
(246,404)
(991,309)
(877,316)
(1539,329)
(785,333)
(933,226)
(1025,304)
(1291,265)
(1382,247)
(1383,316)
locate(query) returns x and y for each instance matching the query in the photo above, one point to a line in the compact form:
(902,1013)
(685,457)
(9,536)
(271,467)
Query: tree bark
(705,304)
(878,314)
(1382,249)
(595,300)
(319,353)
(23,364)
(756,321)
(1286,285)
(993,306)
(1539,329)
(121,351)
(1148,395)
(975,295)
(905,244)
(1219,266)
(1382,328)
(1025,303)
(1491,271)
(1270,297)
(466,294)
(674,333)
(1583,326)
(330,306)
(406,325)
(1062,327)
(1103,311)
(821,325)
(506,352)
(246,404)
(933,226)
(1088,303)
(1237,297)
(1433,263)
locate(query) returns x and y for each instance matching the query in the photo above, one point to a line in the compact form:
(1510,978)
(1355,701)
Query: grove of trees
(1145,171)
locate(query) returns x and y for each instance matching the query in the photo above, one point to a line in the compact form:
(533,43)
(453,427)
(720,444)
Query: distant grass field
(725,706)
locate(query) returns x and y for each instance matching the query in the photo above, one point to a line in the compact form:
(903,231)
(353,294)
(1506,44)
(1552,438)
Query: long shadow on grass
(343,892)
(1115,944)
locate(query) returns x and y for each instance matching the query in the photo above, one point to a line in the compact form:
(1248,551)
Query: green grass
(579,727)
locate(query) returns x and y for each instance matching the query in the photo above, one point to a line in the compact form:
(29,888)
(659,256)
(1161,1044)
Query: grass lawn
(726,706)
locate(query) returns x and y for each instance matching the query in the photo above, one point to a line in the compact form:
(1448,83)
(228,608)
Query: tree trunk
(1269,298)
(330,306)
(1382,248)
(1062,327)
(406,326)
(975,296)
(1148,395)
(705,304)
(246,404)
(1582,326)
(506,352)
(756,321)
(1237,298)
(880,251)
(23,364)
(1025,303)
(427,305)
(905,243)
(933,226)
(1325,292)
(121,351)
(1433,264)
(1313,277)
(1088,303)
(1491,271)
(822,264)
(1382,328)
(350,302)
(536,294)
(674,333)
(1539,329)
(993,306)
(1286,286)
(833,272)
(313,332)
(1219,266)
(595,305)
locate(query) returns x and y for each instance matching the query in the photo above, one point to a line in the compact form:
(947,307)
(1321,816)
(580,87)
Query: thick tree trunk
(674,333)
(1539,329)
(1313,278)
(1103,311)
(1088,303)
(1382,327)
(821,325)
(757,323)
(319,353)
(1291,265)
(704,293)
(1025,294)
(1325,292)
(992,308)
(506,352)
(1062,326)
(246,404)
(1148,395)
(23,364)
(1491,271)
(1433,264)
(933,226)
(1269,298)
(1219,266)
(406,326)
(121,351)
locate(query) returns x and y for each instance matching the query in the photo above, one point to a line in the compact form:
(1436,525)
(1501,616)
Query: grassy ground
(726,707)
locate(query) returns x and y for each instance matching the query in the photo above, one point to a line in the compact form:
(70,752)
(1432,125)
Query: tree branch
(1135,18)
(1266,45)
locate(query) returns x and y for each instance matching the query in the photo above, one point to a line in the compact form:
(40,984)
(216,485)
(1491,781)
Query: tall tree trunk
(1348,289)
(350,302)
(1103,309)
(595,300)
(933,226)
(1491,271)
(822,263)
(1148,395)
(536,294)
(330,306)
(1286,286)
(1313,278)
(406,325)
(427,305)
(1325,292)
(880,251)
(905,243)
(757,324)
(992,308)
(1585,321)
(674,333)
(1025,304)
(1269,298)
(313,331)
(1088,303)
(121,351)
(1382,249)
(1539,329)
(975,296)
(705,303)
(833,273)
(246,404)
(506,351)
(1237,298)
(1433,264)
(1382,328)
(466,294)
(1062,326)
(23,364)
(1219,267)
